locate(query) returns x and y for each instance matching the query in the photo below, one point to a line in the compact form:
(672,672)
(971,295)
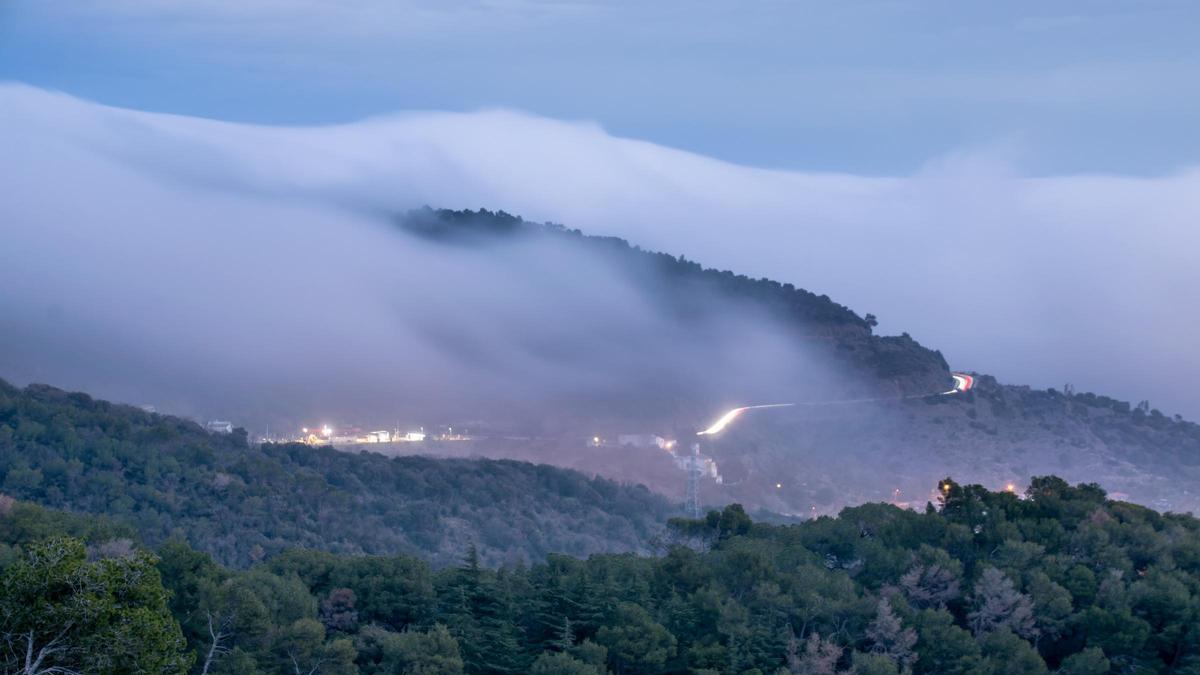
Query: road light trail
(962,383)
(732,415)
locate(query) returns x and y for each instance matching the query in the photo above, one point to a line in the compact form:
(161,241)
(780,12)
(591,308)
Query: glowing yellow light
(1010,487)
(595,439)
(326,431)
(305,430)
(945,487)
(778,486)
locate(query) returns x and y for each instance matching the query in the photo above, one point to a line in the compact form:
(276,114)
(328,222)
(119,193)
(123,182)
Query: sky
(1015,184)
(875,88)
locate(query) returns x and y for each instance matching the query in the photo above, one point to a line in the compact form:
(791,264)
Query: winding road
(962,383)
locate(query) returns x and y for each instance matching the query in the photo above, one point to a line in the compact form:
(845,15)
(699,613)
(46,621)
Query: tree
(60,613)
(338,658)
(736,608)
(220,631)
(734,522)
(636,642)
(932,580)
(591,653)
(431,652)
(820,657)
(1090,661)
(1122,636)
(943,647)
(337,611)
(999,605)
(299,647)
(559,663)
(873,664)
(1007,654)
(890,637)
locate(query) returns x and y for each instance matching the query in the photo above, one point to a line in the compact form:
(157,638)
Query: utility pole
(695,469)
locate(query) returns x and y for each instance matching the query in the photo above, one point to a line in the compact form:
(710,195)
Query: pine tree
(498,646)
(998,604)
(890,637)
(820,657)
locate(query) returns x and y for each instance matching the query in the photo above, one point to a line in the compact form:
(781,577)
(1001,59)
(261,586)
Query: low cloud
(229,255)
(260,275)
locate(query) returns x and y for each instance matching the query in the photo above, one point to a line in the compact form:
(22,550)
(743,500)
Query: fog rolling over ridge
(144,263)
(265,275)
(992,267)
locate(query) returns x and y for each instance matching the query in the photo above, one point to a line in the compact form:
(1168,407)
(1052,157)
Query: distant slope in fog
(997,435)
(166,476)
(683,289)
(814,460)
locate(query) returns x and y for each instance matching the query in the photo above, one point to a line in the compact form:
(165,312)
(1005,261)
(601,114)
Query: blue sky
(874,88)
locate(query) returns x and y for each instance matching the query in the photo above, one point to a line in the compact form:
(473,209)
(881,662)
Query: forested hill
(166,476)
(679,286)
(1061,579)
(817,460)
(478,227)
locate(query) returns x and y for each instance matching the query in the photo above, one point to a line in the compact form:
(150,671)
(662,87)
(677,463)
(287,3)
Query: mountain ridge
(1134,449)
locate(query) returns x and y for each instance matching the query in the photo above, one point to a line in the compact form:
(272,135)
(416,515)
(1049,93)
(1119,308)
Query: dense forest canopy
(1059,579)
(166,476)
(293,558)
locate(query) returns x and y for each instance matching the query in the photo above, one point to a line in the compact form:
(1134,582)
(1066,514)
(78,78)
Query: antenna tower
(695,469)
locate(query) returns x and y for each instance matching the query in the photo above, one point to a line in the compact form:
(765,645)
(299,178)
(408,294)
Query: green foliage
(61,613)
(414,652)
(1005,653)
(1090,661)
(636,642)
(559,663)
(874,664)
(981,586)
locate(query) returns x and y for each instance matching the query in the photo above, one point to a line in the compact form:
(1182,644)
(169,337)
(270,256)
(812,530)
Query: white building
(643,441)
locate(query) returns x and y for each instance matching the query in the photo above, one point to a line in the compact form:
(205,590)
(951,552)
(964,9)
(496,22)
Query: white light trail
(962,382)
(730,416)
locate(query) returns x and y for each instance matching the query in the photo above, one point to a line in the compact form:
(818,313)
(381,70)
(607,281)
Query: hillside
(998,435)
(816,459)
(165,476)
(988,583)
(682,288)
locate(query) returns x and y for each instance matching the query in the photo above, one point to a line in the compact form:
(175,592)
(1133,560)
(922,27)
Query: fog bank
(190,250)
